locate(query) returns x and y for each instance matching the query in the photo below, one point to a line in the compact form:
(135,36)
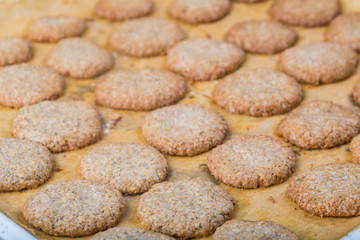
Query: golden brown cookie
(356,92)
(319,63)
(146,37)
(74,208)
(248,1)
(58,125)
(258,92)
(14,50)
(355,149)
(319,124)
(184,129)
(204,59)
(140,89)
(330,190)
(189,208)
(126,233)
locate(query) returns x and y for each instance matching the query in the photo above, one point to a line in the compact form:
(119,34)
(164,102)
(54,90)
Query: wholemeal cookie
(252,161)
(184,129)
(305,13)
(58,125)
(319,63)
(238,229)
(268,37)
(204,59)
(27,84)
(330,190)
(189,208)
(14,50)
(55,28)
(199,11)
(140,89)
(146,37)
(355,149)
(79,58)
(126,233)
(123,9)
(23,164)
(319,124)
(258,92)
(356,92)
(74,208)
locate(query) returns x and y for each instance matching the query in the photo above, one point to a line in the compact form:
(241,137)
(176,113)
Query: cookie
(27,84)
(199,11)
(268,37)
(189,208)
(120,10)
(248,1)
(319,124)
(14,50)
(146,37)
(131,168)
(238,229)
(55,28)
(252,161)
(319,63)
(58,125)
(204,59)
(330,190)
(355,149)
(258,92)
(356,92)
(131,234)
(184,129)
(344,29)
(140,89)
(23,164)
(74,208)
(79,58)
(305,13)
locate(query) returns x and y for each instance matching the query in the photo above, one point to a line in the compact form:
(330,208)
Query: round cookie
(319,124)
(319,63)
(131,234)
(238,229)
(55,28)
(356,92)
(79,58)
(14,50)
(328,191)
(204,59)
(140,89)
(58,125)
(305,13)
(184,129)
(23,164)
(355,149)
(120,10)
(252,162)
(27,84)
(189,208)
(146,37)
(268,37)
(131,168)
(74,208)
(199,11)
(258,92)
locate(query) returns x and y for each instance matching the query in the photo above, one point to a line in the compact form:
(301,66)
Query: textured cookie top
(140,89)
(184,129)
(319,63)
(27,84)
(306,13)
(319,124)
(79,58)
(74,208)
(187,209)
(328,190)
(199,11)
(23,164)
(355,149)
(258,92)
(146,37)
(267,37)
(252,161)
(130,233)
(55,28)
(238,229)
(59,125)
(204,59)
(14,50)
